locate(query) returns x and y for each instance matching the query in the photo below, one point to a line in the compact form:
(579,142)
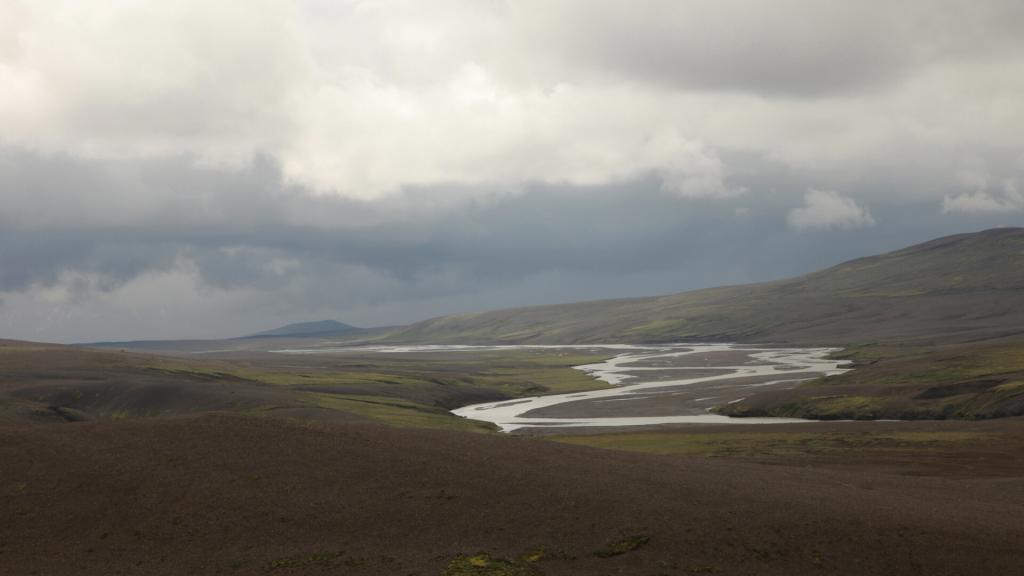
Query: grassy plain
(51,382)
(952,448)
(970,381)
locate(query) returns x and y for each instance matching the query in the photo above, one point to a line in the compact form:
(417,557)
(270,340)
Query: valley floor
(253,463)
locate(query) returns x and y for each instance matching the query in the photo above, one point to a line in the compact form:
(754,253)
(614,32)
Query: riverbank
(666,384)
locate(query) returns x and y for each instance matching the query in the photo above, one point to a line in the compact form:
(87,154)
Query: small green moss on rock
(621,546)
(486,565)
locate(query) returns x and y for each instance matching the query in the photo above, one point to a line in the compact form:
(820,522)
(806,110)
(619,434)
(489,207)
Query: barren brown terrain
(232,494)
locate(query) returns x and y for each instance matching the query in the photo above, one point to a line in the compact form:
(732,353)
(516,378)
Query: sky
(192,169)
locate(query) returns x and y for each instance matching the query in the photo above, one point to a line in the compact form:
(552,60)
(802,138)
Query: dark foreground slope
(55,383)
(957,288)
(223,494)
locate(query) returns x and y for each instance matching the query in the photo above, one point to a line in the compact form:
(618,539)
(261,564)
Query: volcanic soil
(235,494)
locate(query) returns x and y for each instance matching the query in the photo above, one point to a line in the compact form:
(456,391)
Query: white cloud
(365,97)
(824,209)
(688,168)
(1006,199)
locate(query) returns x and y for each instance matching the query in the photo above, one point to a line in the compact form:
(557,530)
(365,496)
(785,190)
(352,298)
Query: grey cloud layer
(790,47)
(294,254)
(243,227)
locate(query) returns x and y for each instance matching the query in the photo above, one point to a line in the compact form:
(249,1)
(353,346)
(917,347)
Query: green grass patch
(623,545)
(759,444)
(847,406)
(396,412)
(535,555)
(871,352)
(513,372)
(1015,386)
(973,382)
(326,378)
(535,381)
(487,565)
(315,559)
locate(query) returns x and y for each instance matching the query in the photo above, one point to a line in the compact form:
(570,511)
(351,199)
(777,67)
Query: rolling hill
(304,329)
(957,288)
(301,334)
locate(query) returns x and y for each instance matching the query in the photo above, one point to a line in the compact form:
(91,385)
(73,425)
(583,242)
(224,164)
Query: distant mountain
(955,288)
(301,329)
(328,330)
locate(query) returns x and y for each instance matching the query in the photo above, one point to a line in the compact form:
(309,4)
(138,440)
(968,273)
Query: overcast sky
(209,169)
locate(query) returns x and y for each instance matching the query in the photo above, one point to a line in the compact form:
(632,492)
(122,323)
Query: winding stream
(638,374)
(663,384)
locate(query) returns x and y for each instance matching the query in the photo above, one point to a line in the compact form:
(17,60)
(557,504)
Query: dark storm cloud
(788,47)
(262,251)
(245,228)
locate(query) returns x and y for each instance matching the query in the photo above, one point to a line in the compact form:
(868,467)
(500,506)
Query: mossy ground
(400,413)
(623,545)
(766,443)
(409,390)
(973,381)
(486,565)
(419,390)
